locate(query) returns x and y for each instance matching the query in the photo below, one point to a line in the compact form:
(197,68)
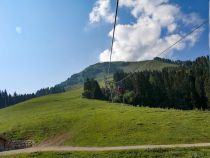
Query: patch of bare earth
(56,140)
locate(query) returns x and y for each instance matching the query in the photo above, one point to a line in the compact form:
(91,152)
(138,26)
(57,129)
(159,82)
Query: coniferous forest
(7,99)
(186,86)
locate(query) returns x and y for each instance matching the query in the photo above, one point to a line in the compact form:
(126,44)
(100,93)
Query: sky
(44,42)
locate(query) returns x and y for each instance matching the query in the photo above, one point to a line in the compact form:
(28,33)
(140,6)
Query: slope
(98,71)
(71,120)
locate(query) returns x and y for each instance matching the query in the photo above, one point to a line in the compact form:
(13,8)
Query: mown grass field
(68,119)
(158,153)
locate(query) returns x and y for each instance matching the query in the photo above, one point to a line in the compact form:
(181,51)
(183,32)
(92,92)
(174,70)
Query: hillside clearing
(98,123)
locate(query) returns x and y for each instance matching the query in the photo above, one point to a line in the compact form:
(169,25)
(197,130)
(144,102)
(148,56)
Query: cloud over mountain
(158,24)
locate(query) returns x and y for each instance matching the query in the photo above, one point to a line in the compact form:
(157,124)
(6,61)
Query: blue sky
(44,42)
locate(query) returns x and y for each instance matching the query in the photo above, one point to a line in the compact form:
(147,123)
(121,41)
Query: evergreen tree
(184,87)
(92,90)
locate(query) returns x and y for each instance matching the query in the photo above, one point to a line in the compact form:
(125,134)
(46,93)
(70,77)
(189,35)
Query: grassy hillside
(97,71)
(67,119)
(164,153)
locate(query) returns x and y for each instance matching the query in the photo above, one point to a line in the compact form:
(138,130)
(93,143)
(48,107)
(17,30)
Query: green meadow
(68,119)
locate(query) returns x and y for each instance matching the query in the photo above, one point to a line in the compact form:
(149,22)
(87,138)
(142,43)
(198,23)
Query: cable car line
(164,51)
(113,37)
(110,84)
(107,85)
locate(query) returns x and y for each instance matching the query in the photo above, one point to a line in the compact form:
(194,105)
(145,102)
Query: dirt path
(70,149)
(55,141)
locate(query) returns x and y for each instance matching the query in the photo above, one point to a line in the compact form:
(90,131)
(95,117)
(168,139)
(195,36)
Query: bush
(129,97)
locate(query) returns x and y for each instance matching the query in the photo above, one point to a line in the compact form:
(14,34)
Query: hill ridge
(98,70)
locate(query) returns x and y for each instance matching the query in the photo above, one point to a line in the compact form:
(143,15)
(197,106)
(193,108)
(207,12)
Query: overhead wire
(113,38)
(111,52)
(164,51)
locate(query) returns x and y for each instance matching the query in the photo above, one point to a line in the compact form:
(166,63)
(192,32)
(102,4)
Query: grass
(98,71)
(85,122)
(152,65)
(146,65)
(158,153)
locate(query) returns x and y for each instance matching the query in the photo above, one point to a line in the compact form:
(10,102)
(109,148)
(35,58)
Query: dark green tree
(92,90)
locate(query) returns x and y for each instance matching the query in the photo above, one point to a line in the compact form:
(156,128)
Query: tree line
(7,99)
(186,86)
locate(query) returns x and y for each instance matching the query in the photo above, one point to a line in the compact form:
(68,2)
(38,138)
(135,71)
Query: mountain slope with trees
(68,119)
(96,71)
(99,70)
(7,99)
(184,87)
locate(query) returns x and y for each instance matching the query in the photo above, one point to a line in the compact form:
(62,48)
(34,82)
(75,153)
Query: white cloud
(190,19)
(172,27)
(101,12)
(18,30)
(143,39)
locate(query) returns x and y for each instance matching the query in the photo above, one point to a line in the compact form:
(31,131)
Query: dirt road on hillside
(70,149)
